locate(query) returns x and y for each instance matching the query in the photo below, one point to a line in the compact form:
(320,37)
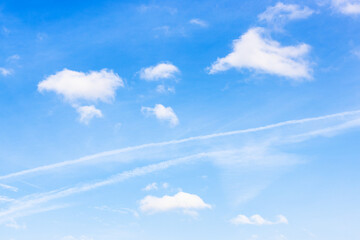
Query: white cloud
(76,238)
(5,72)
(87,113)
(162,113)
(163,89)
(257,220)
(180,201)
(92,86)
(348,7)
(151,186)
(14,57)
(160,71)
(255,51)
(199,22)
(281,13)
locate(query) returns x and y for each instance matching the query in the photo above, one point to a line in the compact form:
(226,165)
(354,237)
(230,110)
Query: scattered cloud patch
(151,186)
(163,89)
(87,113)
(258,52)
(160,71)
(162,113)
(257,220)
(347,7)
(12,58)
(180,201)
(76,238)
(8,187)
(199,22)
(5,72)
(282,13)
(92,86)
(5,199)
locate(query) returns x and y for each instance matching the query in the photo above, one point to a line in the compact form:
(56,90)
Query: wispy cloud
(173,142)
(199,22)
(281,13)
(8,187)
(257,220)
(347,7)
(22,206)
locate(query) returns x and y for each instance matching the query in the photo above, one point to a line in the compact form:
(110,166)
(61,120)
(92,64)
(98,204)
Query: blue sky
(179,119)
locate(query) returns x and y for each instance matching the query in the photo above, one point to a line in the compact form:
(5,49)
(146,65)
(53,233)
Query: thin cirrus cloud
(180,201)
(162,113)
(347,7)
(257,220)
(281,13)
(199,22)
(5,72)
(159,71)
(256,51)
(79,87)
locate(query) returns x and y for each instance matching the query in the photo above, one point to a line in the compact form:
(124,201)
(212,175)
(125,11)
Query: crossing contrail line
(173,142)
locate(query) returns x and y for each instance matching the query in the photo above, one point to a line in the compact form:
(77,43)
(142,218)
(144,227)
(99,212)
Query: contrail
(173,142)
(11,188)
(29,202)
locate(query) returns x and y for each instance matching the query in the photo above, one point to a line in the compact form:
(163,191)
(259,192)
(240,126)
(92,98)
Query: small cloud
(199,22)
(257,220)
(76,238)
(163,89)
(282,13)
(74,86)
(87,113)
(13,58)
(160,71)
(347,7)
(253,50)
(162,113)
(5,72)
(186,202)
(151,186)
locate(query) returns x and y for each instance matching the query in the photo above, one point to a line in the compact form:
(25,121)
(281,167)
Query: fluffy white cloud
(254,50)
(198,22)
(92,86)
(160,71)
(348,7)
(281,13)
(87,113)
(162,113)
(180,201)
(257,220)
(5,72)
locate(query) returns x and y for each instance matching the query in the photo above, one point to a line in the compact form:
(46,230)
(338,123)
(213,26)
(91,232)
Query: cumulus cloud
(199,22)
(160,71)
(92,86)
(347,7)
(79,86)
(162,113)
(257,220)
(87,113)
(180,201)
(281,13)
(255,51)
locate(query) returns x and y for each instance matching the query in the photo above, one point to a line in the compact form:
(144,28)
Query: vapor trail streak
(173,142)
